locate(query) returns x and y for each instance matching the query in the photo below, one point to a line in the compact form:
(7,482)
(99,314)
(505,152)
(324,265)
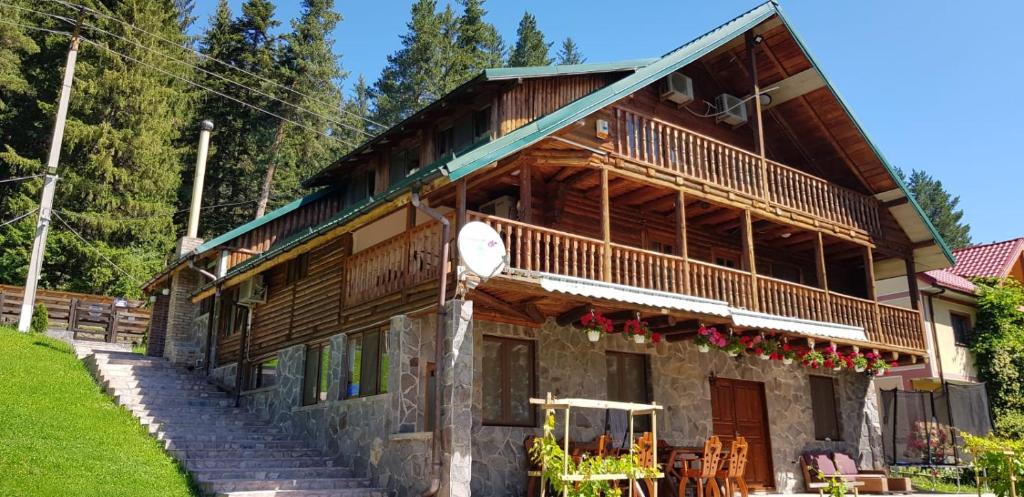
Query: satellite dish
(481,249)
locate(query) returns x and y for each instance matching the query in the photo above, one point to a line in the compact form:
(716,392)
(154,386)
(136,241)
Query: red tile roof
(992,259)
(945,278)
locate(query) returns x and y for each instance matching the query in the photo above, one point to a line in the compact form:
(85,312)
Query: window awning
(632,295)
(751,319)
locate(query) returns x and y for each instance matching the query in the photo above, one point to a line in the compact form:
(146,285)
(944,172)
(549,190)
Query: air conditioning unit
(730,110)
(252,291)
(677,88)
(504,206)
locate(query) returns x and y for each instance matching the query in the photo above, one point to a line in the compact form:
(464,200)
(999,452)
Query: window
(367,364)
(961,328)
(509,381)
(359,187)
(824,408)
(627,377)
(298,268)
(264,374)
(444,141)
(481,123)
(401,163)
(233,316)
(314,382)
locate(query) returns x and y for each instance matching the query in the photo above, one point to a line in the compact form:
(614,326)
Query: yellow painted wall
(957,361)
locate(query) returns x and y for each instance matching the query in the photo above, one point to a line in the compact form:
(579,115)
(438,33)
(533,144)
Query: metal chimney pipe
(205,128)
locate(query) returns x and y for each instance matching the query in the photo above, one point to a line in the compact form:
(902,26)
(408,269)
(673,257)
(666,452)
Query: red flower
(655,337)
(758,351)
(894,363)
(786,347)
(828,363)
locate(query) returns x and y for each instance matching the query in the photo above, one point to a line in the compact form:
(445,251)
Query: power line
(36,28)
(12,180)
(191,66)
(211,90)
(29,213)
(207,57)
(83,215)
(98,251)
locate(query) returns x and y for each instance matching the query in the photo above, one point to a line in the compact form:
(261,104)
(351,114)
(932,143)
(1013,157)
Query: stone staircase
(228,451)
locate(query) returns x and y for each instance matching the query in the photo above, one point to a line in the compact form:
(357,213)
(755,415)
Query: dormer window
(444,141)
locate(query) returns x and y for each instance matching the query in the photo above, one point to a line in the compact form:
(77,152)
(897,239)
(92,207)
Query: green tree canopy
(940,207)
(998,346)
(570,53)
(530,48)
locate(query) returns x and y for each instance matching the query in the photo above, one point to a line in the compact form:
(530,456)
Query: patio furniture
(735,467)
(645,457)
(871,481)
(704,476)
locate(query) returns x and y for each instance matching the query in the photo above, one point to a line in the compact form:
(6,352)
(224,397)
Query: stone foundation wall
(569,365)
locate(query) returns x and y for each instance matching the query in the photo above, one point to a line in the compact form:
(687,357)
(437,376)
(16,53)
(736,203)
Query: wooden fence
(88,317)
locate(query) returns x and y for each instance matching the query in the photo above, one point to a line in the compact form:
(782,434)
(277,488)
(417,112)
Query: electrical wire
(215,92)
(29,213)
(731,107)
(36,28)
(212,59)
(90,244)
(83,215)
(12,180)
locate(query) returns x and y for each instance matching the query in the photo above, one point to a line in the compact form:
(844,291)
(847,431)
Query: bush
(1010,425)
(40,319)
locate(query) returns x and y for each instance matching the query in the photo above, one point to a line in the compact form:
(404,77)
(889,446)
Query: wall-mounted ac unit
(677,88)
(504,206)
(252,291)
(730,110)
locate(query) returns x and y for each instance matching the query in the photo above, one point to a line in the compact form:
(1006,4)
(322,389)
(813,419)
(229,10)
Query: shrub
(998,457)
(40,319)
(1010,425)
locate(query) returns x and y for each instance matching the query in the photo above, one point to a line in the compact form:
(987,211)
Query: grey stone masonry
(186,335)
(456,390)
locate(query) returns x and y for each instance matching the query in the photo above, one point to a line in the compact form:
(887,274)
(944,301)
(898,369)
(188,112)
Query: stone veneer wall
(378,436)
(569,365)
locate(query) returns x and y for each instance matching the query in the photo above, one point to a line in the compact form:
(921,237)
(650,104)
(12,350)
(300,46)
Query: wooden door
(738,408)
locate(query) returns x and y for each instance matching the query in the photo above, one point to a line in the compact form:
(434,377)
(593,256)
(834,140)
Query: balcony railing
(696,157)
(533,248)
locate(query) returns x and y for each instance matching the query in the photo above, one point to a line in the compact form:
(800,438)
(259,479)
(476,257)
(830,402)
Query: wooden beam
(748,262)
(915,292)
(895,202)
(758,114)
(572,315)
(526,193)
(606,228)
(822,272)
(497,304)
(681,248)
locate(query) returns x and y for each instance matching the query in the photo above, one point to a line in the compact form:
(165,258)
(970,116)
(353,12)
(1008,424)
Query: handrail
(698,157)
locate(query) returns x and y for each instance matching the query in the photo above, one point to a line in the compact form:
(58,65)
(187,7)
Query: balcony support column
(681,249)
(748,263)
(606,228)
(819,259)
(915,293)
(526,193)
(869,276)
(759,126)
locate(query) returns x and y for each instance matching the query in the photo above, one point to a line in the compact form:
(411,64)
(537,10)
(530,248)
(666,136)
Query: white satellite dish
(481,249)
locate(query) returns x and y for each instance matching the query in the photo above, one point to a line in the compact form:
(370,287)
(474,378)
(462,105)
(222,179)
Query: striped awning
(629,294)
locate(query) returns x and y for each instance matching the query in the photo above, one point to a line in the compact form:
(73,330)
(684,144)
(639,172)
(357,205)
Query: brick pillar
(185,335)
(158,326)
(456,389)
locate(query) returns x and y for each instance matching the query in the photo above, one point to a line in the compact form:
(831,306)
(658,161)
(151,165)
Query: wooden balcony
(678,151)
(538,249)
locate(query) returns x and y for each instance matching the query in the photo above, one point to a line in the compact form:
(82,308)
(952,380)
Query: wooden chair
(704,476)
(645,457)
(735,468)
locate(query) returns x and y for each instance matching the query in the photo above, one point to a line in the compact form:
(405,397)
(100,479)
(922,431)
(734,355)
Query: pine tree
(478,40)
(120,163)
(241,136)
(530,49)
(940,206)
(570,53)
(357,108)
(311,71)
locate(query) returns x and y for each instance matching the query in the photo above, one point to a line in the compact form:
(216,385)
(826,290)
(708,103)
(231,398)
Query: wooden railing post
(606,228)
(869,274)
(681,248)
(112,327)
(759,129)
(749,264)
(819,257)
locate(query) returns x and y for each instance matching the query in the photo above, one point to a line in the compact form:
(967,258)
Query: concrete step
(344,492)
(251,422)
(269,473)
(159,384)
(222,437)
(176,431)
(239,445)
(141,410)
(166,393)
(228,485)
(189,454)
(133,401)
(318,461)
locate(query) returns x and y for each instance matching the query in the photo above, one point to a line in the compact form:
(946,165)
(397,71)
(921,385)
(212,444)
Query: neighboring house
(949,311)
(612,190)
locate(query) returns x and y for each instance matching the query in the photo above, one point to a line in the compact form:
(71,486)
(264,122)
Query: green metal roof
(501,73)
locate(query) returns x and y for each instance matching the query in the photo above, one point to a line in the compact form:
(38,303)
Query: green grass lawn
(61,436)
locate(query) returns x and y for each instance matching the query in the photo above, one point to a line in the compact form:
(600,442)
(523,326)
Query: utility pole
(50,182)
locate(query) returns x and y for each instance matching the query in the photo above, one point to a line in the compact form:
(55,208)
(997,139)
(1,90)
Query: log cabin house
(723,184)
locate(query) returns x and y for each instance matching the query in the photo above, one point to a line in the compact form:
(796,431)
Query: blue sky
(932,81)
